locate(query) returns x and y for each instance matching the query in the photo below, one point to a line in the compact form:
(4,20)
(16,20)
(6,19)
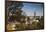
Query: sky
(30,8)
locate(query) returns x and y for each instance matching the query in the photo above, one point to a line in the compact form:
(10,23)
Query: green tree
(16,7)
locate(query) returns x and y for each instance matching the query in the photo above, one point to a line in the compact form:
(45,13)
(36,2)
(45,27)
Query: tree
(16,7)
(42,22)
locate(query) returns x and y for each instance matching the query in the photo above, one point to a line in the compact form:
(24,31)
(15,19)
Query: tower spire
(34,14)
